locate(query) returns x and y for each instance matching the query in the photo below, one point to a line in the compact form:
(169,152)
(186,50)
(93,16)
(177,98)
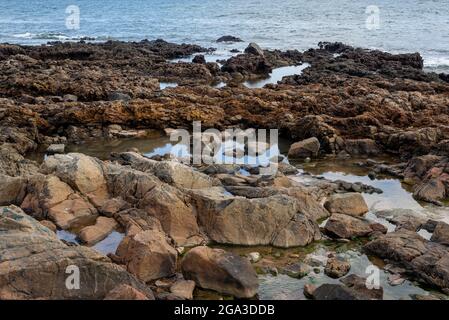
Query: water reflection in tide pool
(105,246)
(282,287)
(110,243)
(396,195)
(161,146)
(164,85)
(276,75)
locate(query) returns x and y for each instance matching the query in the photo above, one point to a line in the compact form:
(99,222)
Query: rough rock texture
(97,232)
(351,204)
(148,255)
(337,268)
(353,288)
(33,264)
(81,172)
(183,289)
(273,220)
(304,149)
(427,261)
(221,271)
(347,227)
(172,172)
(441,233)
(126,292)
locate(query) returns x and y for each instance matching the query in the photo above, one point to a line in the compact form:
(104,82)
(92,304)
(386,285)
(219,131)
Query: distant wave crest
(57,36)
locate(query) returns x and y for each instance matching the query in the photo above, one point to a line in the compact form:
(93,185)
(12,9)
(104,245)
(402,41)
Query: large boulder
(81,172)
(75,212)
(352,204)
(43,193)
(35,264)
(347,227)
(427,261)
(47,197)
(432,190)
(176,215)
(273,220)
(307,204)
(441,233)
(357,147)
(221,271)
(304,149)
(12,189)
(253,48)
(147,255)
(172,172)
(160,200)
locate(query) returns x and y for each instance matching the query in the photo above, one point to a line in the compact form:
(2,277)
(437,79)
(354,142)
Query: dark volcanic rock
(229,39)
(199,59)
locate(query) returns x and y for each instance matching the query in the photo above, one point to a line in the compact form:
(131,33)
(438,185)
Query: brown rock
(12,189)
(183,289)
(101,229)
(337,268)
(72,213)
(308,290)
(81,172)
(351,204)
(34,264)
(235,220)
(126,292)
(48,224)
(441,233)
(305,148)
(347,227)
(148,255)
(221,271)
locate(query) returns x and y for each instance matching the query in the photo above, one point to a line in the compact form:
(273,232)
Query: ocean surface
(391,25)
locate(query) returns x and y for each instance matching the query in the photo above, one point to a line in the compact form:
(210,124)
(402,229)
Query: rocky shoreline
(350,103)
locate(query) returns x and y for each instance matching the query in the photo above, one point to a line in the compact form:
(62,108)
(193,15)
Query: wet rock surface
(349,102)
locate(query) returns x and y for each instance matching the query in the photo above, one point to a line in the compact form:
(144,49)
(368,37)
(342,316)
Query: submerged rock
(55,148)
(337,268)
(221,271)
(229,39)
